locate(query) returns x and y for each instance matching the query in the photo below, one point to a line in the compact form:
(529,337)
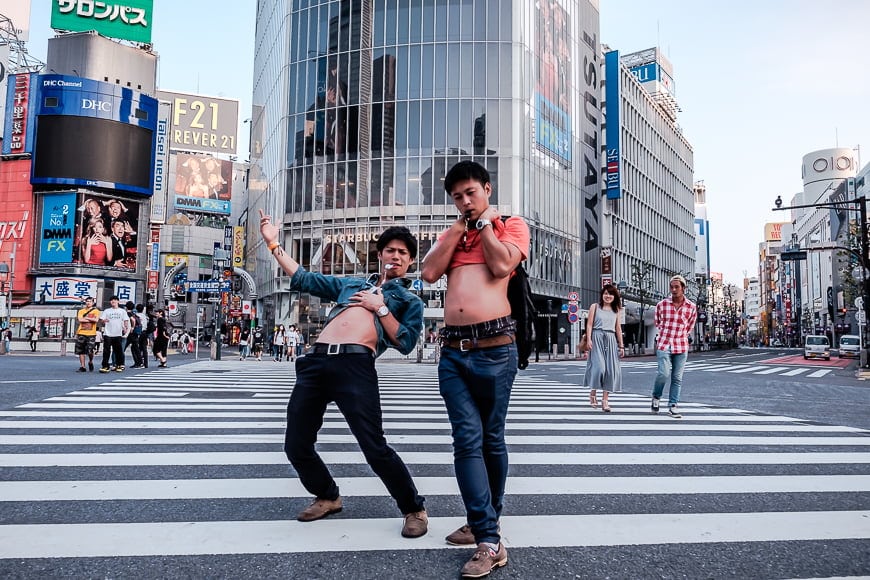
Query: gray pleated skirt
(602,369)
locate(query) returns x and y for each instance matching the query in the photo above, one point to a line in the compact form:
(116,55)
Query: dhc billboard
(93,134)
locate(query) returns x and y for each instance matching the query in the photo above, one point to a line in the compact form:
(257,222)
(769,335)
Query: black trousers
(349,380)
(143,348)
(133,343)
(114,346)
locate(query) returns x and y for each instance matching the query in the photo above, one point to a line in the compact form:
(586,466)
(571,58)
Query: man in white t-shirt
(116,325)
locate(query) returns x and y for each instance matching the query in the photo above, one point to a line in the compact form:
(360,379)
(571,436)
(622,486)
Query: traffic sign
(793,255)
(417,285)
(573,318)
(573,296)
(573,308)
(859,303)
(565,308)
(861,317)
(206,286)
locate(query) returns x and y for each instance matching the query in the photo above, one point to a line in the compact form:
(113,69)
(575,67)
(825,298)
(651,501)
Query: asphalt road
(179,473)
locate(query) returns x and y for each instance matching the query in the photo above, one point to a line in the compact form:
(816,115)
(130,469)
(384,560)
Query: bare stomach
(475,295)
(355,325)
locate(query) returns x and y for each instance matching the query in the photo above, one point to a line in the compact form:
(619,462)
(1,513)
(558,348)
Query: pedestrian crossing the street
(187,462)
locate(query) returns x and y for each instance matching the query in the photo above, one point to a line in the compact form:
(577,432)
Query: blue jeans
(476,387)
(670,371)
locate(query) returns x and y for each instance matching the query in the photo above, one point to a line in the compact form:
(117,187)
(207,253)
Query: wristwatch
(482,223)
(382,311)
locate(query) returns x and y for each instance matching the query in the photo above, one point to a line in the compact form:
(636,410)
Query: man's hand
(491,214)
(267,228)
(368,300)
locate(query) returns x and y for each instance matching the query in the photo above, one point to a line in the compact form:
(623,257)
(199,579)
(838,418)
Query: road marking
(748,370)
(174,489)
(343,535)
(770,371)
(566,424)
(819,373)
(39,381)
(427,458)
(794,372)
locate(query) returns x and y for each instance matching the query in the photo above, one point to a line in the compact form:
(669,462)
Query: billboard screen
(103,153)
(128,20)
(553,87)
(106,233)
(203,184)
(203,124)
(114,130)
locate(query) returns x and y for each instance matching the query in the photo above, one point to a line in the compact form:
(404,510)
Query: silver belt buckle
(331,350)
(462,343)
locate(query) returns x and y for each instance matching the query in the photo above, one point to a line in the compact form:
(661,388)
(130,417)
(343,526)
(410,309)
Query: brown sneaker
(484,561)
(320,508)
(416,524)
(461,537)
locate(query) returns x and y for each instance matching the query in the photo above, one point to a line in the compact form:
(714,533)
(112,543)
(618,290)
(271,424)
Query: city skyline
(750,109)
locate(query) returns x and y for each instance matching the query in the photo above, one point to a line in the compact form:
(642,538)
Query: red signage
(153,280)
(20,104)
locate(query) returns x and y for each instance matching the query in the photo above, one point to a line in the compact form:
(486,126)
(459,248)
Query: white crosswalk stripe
(716,367)
(213,431)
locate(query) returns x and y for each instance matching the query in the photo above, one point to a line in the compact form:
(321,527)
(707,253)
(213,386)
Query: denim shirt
(406,307)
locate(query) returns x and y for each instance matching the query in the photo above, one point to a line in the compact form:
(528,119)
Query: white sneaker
(673,412)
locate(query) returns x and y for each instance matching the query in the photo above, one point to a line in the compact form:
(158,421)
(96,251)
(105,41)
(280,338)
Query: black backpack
(152,326)
(524,313)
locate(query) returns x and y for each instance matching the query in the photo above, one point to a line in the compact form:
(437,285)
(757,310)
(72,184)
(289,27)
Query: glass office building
(362,106)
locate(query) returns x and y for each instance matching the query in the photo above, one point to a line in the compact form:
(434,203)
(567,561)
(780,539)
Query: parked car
(850,346)
(817,346)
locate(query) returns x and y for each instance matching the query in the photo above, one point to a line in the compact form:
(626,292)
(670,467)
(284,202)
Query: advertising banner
(58,227)
(18,11)
(553,133)
(773,231)
(107,236)
(161,164)
(202,184)
(238,246)
(125,290)
(203,124)
(612,98)
(4,73)
(18,132)
(127,20)
(66,289)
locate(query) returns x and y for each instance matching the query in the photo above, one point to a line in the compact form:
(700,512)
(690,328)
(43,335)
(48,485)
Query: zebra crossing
(187,463)
(812,372)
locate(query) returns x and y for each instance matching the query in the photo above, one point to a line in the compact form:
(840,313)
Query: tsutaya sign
(123,19)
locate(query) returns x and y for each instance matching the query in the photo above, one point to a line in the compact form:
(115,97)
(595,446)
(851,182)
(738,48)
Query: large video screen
(75,150)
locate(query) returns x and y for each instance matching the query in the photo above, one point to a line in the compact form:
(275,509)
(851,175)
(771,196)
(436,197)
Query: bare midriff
(475,295)
(355,325)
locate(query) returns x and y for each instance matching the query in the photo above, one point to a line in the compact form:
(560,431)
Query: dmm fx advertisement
(125,20)
(200,123)
(58,225)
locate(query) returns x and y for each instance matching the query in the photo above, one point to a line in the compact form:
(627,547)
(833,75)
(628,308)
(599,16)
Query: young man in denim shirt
(479,253)
(369,316)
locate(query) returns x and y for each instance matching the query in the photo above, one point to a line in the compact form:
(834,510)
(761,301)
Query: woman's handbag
(584,342)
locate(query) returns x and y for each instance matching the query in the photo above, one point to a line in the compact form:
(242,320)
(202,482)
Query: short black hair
(400,233)
(115,298)
(465,170)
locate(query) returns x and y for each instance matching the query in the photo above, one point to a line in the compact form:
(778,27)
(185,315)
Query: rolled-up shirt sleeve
(326,287)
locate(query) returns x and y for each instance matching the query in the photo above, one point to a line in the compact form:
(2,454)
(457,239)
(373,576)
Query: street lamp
(863,256)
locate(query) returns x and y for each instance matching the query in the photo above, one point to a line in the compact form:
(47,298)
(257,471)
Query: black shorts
(85,344)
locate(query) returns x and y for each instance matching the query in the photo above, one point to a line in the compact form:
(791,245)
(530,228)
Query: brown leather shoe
(416,524)
(484,561)
(320,508)
(461,537)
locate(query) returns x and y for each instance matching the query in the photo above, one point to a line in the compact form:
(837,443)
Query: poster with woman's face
(107,233)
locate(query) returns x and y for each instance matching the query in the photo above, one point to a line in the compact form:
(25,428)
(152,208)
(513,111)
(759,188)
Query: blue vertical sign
(58,225)
(613,101)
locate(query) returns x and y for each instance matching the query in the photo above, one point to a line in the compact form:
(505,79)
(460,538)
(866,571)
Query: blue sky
(761,83)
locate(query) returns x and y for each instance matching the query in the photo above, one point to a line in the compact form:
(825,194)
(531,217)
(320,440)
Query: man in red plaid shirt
(675,319)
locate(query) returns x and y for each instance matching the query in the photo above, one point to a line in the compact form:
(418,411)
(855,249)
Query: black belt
(466,344)
(323,348)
